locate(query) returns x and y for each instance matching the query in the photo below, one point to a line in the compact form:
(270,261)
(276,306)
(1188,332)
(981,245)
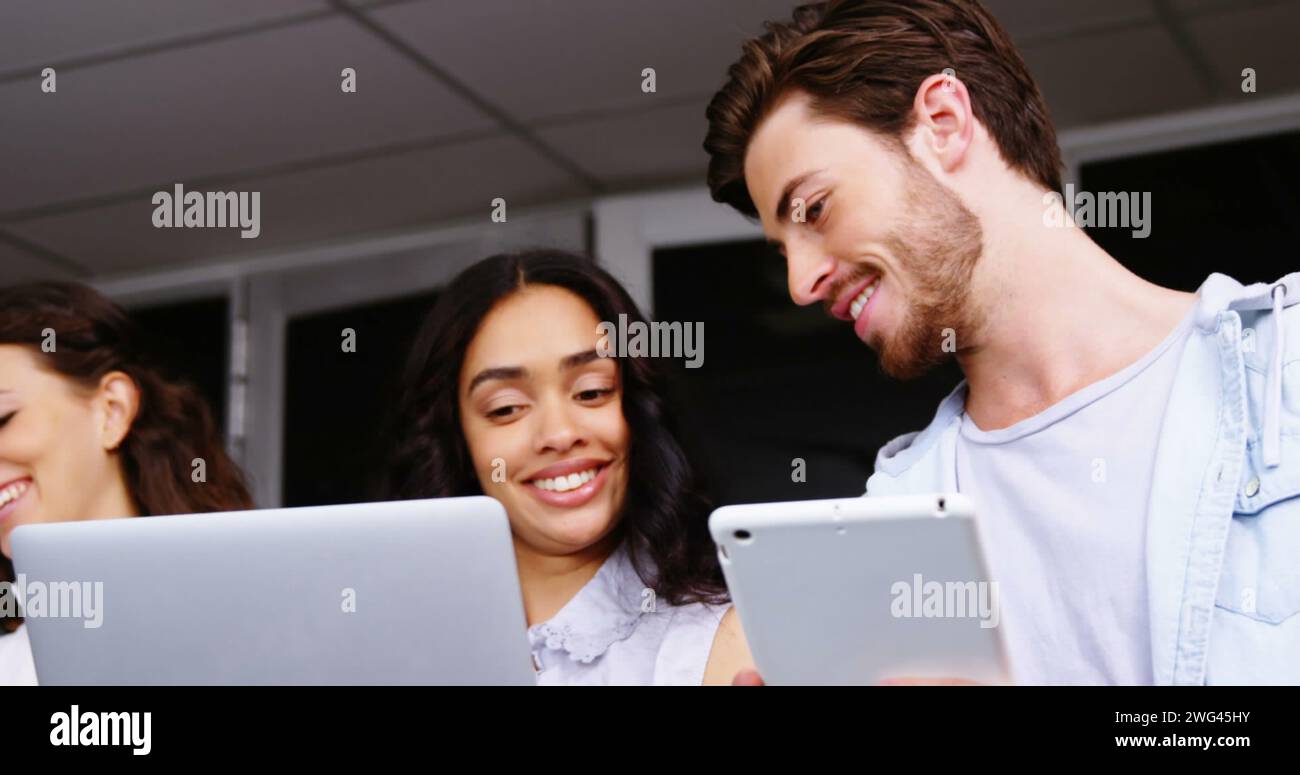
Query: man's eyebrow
(783,204)
(498,372)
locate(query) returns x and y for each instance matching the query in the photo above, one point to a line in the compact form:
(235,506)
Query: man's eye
(5,420)
(815,211)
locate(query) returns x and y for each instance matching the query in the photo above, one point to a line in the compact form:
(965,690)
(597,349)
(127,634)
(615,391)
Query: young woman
(507,394)
(89,430)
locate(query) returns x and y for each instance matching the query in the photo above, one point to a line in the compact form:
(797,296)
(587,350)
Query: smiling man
(1134,451)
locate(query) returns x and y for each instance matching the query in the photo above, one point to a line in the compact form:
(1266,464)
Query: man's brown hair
(862,61)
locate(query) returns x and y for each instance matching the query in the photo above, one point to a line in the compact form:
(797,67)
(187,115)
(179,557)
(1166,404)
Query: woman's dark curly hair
(173,425)
(664,516)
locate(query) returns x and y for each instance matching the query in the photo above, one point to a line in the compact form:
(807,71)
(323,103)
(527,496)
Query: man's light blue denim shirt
(1223,520)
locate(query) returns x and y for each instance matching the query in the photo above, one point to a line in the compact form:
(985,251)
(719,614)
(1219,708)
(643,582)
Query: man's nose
(808,272)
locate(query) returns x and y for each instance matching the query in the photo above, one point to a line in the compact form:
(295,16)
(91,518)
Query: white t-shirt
(16,665)
(1061,499)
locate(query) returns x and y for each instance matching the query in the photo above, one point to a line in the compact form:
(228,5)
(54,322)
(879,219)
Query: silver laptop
(408,592)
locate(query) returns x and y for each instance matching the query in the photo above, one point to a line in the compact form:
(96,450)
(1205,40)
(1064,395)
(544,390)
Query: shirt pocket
(1261,565)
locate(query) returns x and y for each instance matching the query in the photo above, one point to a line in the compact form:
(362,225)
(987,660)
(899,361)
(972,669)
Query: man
(1134,451)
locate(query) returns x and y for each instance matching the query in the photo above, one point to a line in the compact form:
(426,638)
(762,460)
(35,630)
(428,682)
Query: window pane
(1227,208)
(337,403)
(192,341)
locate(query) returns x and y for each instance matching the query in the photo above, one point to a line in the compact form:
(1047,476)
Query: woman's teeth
(860,301)
(12,493)
(566,483)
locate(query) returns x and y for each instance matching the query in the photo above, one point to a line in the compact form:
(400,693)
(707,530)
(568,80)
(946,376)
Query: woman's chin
(573,531)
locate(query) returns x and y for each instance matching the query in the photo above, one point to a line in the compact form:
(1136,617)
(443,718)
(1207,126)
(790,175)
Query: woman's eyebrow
(497,372)
(518,372)
(578,359)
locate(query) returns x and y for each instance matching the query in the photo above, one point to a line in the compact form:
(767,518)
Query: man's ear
(945,123)
(118,401)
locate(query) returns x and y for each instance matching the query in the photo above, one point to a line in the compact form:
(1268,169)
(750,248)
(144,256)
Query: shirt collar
(605,611)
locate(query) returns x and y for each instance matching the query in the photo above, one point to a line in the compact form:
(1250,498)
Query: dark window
(1229,207)
(337,403)
(192,343)
(778,381)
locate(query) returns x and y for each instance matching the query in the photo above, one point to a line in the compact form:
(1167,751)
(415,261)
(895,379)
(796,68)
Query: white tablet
(408,592)
(859,590)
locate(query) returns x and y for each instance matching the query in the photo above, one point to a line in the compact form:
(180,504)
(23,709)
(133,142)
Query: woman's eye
(502,411)
(5,420)
(594,394)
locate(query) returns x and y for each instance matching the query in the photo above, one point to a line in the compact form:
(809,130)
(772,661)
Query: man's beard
(938,246)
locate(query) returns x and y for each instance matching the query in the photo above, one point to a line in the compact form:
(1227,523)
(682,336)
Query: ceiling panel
(643,147)
(1130,72)
(553,57)
(347,200)
(1192,7)
(230,106)
(1028,20)
(34,33)
(17,265)
(1263,37)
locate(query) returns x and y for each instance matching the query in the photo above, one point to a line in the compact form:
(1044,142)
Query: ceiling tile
(34,33)
(1193,7)
(1029,20)
(1262,37)
(643,147)
(17,266)
(230,106)
(1132,72)
(553,57)
(348,200)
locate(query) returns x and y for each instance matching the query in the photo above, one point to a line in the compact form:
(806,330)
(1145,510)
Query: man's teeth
(860,301)
(566,483)
(12,493)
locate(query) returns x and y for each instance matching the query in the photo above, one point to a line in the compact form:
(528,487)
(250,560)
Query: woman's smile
(569,484)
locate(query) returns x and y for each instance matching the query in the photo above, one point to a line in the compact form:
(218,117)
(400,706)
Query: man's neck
(1059,314)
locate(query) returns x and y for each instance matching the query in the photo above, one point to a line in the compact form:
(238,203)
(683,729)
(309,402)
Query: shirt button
(1252,487)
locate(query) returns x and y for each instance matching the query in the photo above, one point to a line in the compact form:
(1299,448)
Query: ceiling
(458,103)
